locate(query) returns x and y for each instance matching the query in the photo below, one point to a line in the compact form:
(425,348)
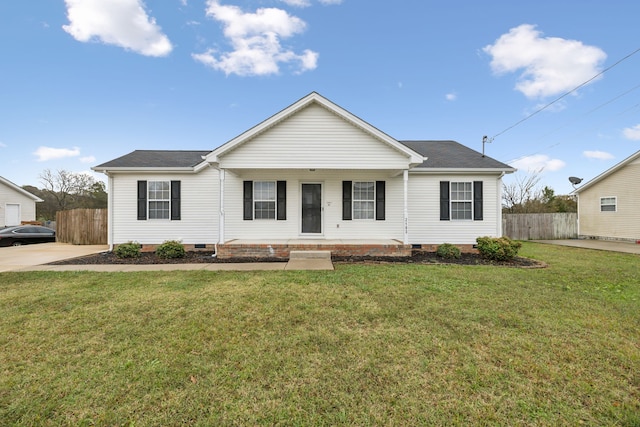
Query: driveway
(18,257)
(603,245)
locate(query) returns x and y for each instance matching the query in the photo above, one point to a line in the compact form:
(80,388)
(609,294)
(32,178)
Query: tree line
(524,195)
(63,190)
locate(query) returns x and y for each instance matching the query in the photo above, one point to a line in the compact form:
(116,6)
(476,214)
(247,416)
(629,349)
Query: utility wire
(564,95)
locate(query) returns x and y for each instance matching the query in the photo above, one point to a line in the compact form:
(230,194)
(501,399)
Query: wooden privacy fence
(540,226)
(82,226)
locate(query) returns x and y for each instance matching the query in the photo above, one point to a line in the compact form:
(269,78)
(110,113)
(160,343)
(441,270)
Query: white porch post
(405,176)
(221,216)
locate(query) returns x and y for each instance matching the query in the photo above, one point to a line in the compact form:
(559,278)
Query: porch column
(221,174)
(405,177)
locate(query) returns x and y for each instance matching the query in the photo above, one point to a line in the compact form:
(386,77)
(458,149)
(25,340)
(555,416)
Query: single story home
(17,205)
(312,176)
(609,204)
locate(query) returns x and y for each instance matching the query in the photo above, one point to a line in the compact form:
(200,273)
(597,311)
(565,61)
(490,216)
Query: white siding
(10,196)
(199,210)
(625,222)
(333,225)
(314,138)
(425,226)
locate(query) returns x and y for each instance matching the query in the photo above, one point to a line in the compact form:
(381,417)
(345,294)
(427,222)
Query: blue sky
(86,81)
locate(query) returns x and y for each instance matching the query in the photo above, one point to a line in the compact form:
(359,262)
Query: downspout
(222,176)
(109,211)
(499,230)
(405,177)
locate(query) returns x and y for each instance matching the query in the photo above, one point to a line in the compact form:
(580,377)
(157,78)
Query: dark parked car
(25,234)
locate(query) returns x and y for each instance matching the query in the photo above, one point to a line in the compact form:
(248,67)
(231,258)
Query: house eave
(20,190)
(433,171)
(413,157)
(607,173)
(144,170)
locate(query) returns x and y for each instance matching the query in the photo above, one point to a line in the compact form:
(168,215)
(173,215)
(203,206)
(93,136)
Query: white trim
(405,178)
(414,158)
(608,172)
(20,189)
(322,224)
(221,176)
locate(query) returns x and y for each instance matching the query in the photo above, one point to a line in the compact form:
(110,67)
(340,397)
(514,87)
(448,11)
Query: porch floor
(313,242)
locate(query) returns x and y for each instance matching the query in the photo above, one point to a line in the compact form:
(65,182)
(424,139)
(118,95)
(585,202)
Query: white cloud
(297,3)
(307,3)
(123,23)
(255,38)
(88,159)
(48,153)
(451,96)
(549,65)
(3,145)
(599,155)
(538,162)
(632,133)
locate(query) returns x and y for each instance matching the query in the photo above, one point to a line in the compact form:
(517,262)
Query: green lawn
(362,345)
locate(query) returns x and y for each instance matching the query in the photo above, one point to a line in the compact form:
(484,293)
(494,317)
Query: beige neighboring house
(609,204)
(16,204)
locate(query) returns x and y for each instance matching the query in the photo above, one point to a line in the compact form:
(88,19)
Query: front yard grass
(363,345)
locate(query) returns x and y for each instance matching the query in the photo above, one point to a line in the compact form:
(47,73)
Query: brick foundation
(468,248)
(259,250)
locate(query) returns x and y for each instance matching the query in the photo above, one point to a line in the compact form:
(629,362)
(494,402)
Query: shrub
(448,251)
(171,249)
(498,248)
(127,250)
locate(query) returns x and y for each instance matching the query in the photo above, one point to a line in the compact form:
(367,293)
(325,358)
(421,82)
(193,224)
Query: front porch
(243,248)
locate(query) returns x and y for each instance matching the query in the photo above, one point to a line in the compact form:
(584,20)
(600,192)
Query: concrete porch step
(297,255)
(309,260)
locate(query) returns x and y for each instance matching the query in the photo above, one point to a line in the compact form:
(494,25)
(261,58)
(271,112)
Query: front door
(311,208)
(12,214)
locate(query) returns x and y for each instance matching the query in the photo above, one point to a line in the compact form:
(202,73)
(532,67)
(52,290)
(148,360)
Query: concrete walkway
(602,245)
(36,257)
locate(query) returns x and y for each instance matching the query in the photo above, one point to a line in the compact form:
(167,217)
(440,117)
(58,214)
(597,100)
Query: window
(159,199)
(264,199)
(607,204)
(364,198)
(461,200)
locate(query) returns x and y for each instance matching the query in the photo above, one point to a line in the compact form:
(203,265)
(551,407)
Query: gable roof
(608,172)
(448,155)
(20,189)
(154,159)
(314,97)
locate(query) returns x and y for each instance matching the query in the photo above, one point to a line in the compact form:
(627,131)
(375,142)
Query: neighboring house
(311,176)
(16,204)
(609,204)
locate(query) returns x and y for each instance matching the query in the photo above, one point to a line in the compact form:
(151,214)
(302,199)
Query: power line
(563,96)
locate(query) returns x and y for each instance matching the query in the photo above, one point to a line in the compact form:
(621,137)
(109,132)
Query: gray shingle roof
(452,155)
(156,159)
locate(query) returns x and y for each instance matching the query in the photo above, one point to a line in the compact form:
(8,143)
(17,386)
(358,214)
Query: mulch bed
(418,257)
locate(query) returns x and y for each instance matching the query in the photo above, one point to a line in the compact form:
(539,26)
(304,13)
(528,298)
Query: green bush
(498,248)
(171,249)
(448,251)
(127,250)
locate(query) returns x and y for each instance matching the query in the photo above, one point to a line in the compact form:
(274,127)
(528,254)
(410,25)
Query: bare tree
(66,187)
(518,195)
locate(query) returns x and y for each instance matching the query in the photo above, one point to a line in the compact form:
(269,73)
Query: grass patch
(363,345)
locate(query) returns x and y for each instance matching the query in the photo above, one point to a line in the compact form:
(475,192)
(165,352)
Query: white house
(609,204)
(311,176)
(16,204)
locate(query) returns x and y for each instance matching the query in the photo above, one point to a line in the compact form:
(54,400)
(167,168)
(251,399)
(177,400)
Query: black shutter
(142,200)
(380,199)
(477,200)
(175,200)
(248,200)
(282,200)
(444,201)
(346,200)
